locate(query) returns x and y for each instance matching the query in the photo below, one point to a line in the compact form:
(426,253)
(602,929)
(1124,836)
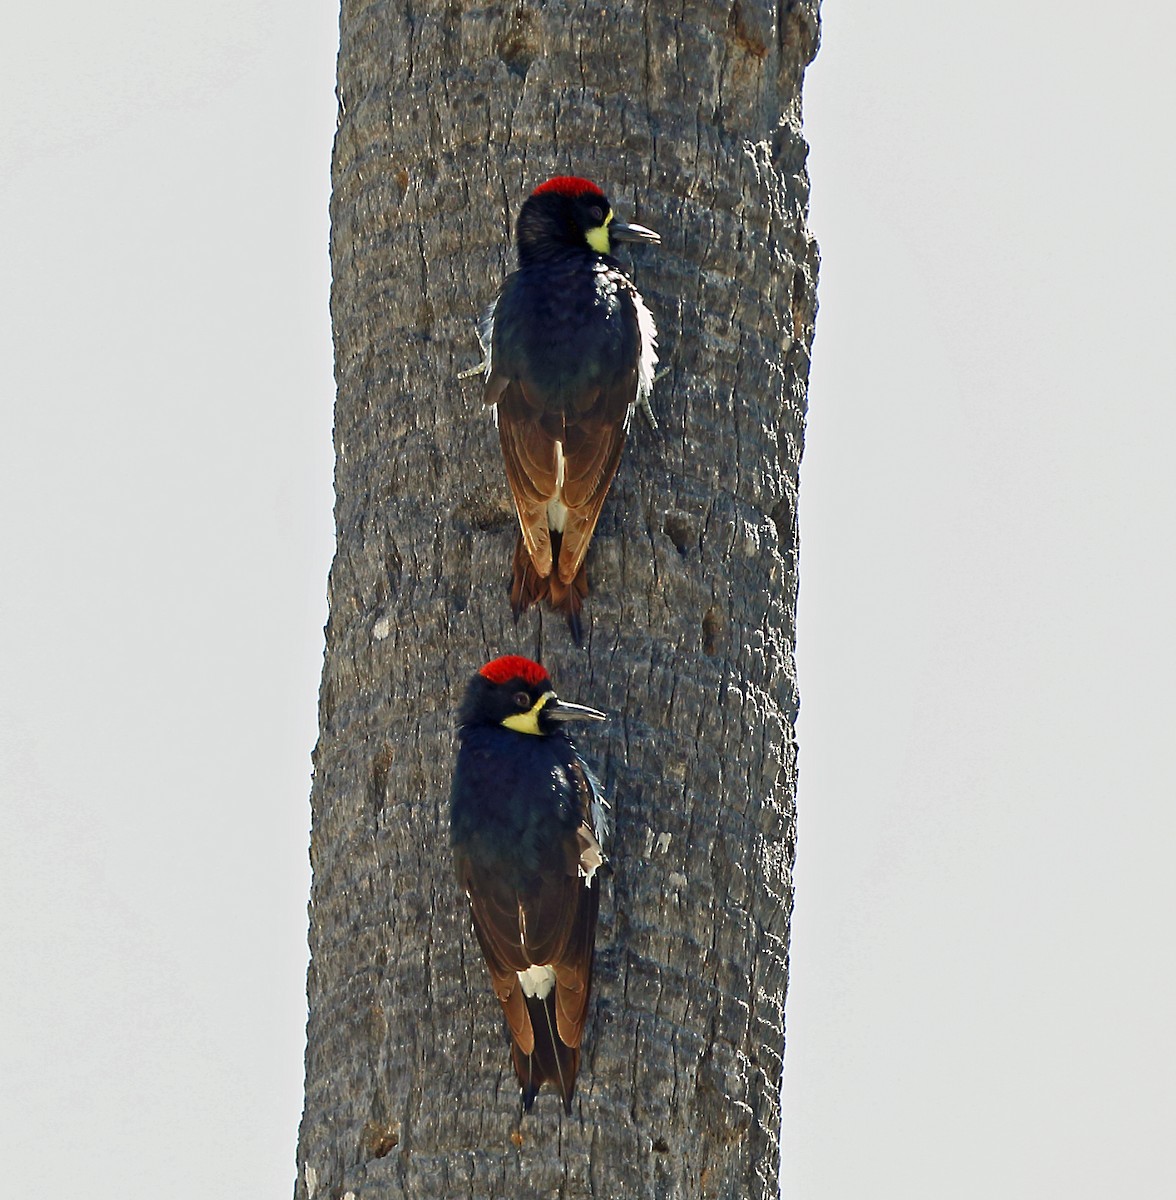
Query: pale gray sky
(983,990)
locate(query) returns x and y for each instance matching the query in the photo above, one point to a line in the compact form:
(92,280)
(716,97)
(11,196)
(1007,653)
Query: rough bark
(690,119)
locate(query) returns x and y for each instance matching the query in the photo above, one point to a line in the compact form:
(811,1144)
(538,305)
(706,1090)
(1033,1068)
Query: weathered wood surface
(690,120)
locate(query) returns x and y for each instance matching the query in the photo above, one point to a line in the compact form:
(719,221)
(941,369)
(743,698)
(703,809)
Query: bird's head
(570,212)
(515,692)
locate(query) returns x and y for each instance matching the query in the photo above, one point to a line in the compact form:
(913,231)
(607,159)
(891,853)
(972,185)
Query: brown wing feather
(529,453)
(592,453)
(573,973)
(560,924)
(550,912)
(509,993)
(494,910)
(559,920)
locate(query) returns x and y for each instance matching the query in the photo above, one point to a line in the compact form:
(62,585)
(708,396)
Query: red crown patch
(513,666)
(569,185)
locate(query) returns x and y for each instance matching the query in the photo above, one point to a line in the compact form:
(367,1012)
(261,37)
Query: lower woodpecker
(527,824)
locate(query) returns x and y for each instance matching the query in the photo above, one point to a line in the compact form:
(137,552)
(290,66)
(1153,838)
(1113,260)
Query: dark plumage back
(570,350)
(526,824)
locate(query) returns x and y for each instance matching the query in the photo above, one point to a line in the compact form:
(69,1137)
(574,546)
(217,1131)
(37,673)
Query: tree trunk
(449,116)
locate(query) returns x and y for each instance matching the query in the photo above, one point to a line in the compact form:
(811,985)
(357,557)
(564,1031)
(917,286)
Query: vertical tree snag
(689,117)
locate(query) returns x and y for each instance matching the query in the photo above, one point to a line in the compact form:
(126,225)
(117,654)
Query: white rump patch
(536,982)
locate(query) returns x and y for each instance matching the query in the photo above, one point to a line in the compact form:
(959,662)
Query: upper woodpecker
(527,824)
(570,350)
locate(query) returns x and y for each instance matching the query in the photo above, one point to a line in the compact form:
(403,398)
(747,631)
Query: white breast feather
(486,336)
(598,814)
(647,357)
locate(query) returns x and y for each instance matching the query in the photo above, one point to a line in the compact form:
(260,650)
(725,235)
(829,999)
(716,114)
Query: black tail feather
(551,1061)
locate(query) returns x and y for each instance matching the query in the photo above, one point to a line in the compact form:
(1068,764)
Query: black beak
(619,231)
(561,710)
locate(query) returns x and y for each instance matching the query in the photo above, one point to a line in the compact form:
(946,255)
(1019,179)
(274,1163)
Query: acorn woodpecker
(527,825)
(570,350)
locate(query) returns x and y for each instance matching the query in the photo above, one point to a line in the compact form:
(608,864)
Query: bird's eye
(597,214)
(522,700)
